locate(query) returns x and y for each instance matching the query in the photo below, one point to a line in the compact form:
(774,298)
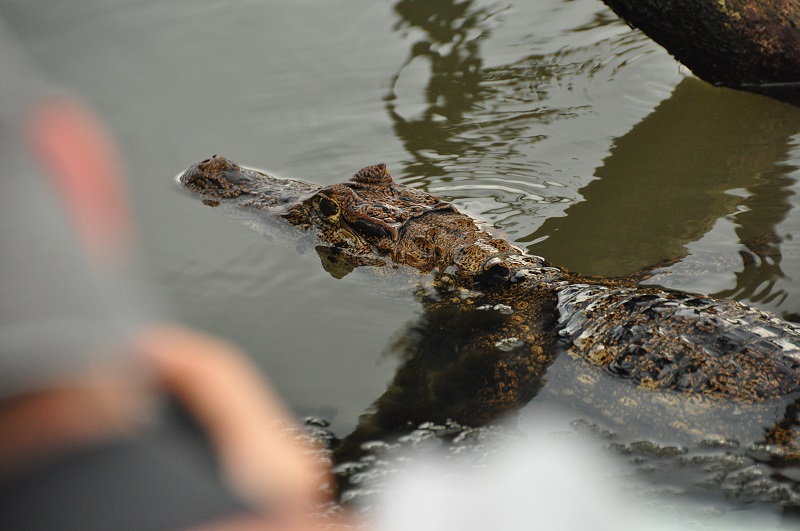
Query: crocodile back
(672,340)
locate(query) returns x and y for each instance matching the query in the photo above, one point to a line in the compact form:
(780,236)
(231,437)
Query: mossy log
(748,44)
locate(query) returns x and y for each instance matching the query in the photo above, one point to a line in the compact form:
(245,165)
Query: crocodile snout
(216,176)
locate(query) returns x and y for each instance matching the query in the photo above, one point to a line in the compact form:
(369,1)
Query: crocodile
(515,314)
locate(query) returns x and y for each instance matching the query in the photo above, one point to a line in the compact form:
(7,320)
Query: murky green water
(578,137)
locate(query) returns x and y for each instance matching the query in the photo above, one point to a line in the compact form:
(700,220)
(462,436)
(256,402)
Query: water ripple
(477,114)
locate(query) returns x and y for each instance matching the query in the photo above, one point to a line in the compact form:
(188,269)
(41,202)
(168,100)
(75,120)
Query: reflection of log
(665,184)
(733,42)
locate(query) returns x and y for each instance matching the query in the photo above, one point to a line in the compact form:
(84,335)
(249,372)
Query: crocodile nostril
(235,176)
(495,272)
(216,176)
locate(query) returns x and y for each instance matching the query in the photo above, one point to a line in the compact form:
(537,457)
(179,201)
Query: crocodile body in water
(515,313)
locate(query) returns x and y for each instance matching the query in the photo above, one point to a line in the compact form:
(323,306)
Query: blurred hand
(250,429)
(262,459)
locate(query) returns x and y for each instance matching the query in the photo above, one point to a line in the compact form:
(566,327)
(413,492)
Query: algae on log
(748,44)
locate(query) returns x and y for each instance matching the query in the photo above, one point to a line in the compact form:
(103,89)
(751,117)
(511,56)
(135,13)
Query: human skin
(246,422)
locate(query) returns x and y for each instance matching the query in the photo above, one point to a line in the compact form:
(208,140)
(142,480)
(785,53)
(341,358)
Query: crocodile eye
(327,207)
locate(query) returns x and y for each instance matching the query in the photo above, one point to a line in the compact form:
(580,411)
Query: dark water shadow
(456,367)
(702,155)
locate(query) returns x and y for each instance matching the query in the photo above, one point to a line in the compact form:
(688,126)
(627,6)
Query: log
(746,44)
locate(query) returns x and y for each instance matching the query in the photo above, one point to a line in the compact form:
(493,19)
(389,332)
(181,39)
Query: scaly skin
(659,339)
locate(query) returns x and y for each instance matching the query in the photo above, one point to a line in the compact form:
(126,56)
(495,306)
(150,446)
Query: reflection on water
(449,46)
(472,128)
(471,119)
(701,156)
(462,119)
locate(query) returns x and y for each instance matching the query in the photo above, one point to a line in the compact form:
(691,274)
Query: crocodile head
(370,220)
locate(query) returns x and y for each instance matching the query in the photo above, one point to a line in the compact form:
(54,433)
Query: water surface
(577,136)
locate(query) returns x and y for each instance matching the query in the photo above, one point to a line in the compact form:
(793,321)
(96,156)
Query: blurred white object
(549,480)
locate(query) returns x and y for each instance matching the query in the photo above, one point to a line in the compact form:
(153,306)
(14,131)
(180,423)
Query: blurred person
(108,419)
